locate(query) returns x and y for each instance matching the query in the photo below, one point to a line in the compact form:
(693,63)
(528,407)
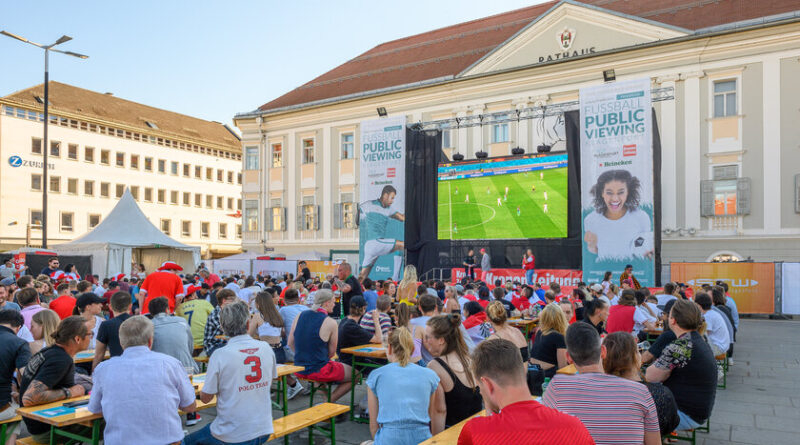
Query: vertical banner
(751,285)
(617,180)
(382,207)
(790,292)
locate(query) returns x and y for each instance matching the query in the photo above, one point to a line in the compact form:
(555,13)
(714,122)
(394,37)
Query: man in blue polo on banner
(374,218)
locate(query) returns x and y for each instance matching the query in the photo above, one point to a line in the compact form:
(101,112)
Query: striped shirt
(367,323)
(613,409)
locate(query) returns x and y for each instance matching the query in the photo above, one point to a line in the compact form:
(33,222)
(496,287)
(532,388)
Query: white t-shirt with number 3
(240,374)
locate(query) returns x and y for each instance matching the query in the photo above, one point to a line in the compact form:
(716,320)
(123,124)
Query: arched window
(724,256)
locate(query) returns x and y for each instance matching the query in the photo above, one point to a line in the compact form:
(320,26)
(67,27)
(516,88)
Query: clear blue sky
(210,59)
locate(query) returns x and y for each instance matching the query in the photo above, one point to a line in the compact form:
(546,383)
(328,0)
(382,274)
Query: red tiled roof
(448,51)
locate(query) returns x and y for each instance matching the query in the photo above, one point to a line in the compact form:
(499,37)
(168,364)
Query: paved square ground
(760,406)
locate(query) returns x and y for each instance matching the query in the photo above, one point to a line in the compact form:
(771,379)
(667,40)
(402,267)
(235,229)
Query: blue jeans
(402,434)
(203,437)
(529,276)
(687,423)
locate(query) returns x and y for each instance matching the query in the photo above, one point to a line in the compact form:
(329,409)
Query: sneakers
(192,422)
(295,390)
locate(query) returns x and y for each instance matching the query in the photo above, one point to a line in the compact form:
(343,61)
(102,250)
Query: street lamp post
(45,148)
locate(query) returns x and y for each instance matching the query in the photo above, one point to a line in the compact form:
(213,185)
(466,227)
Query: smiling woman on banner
(618,228)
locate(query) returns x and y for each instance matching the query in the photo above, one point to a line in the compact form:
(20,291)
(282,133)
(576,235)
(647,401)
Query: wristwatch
(67,393)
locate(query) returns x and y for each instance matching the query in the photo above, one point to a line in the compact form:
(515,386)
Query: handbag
(535,379)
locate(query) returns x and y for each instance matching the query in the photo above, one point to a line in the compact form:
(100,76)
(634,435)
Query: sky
(210,59)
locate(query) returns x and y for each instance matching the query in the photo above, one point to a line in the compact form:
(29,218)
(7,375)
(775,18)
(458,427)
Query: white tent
(126,235)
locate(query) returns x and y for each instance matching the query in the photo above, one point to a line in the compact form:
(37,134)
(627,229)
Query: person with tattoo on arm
(50,373)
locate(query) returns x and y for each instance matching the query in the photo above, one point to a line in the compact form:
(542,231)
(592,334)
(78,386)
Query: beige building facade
(185,173)
(730,136)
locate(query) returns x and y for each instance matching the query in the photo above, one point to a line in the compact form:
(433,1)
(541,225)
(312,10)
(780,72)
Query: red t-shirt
(63,306)
(483,303)
(525,423)
(161,284)
(212,278)
(620,318)
(530,262)
(520,303)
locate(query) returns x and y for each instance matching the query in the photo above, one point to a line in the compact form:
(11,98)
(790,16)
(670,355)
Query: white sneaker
(730,361)
(192,422)
(294,391)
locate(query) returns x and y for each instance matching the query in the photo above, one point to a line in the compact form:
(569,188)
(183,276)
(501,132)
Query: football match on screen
(503,198)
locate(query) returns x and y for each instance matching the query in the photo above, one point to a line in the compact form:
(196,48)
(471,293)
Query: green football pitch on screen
(530,204)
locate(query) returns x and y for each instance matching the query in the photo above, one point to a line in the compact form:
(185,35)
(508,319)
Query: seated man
(716,330)
(50,374)
(617,410)
(515,417)
(196,311)
(313,338)
(108,333)
(171,334)
(687,366)
(213,330)
(351,334)
(65,303)
(240,375)
(383,305)
(14,355)
(134,415)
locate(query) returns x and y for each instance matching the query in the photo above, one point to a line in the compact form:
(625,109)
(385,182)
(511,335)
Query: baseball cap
(322,296)
(459,288)
(358,301)
(7,281)
(597,288)
(86,299)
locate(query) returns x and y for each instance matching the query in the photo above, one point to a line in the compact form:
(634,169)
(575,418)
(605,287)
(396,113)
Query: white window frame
(71,226)
(500,133)
(348,148)
(251,155)
(169,226)
(89,220)
(277,155)
(250,219)
(307,154)
(726,97)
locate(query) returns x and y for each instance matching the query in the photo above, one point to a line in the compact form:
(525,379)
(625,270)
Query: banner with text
(382,207)
(751,285)
(223,267)
(566,278)
(321,268)
(617,180)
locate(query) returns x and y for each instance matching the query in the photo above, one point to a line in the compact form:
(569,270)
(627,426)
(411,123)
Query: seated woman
(687,366)
(623,360)
(403,320)
(497,317)
(475,322)
(549,348)
(596,314)
(451,305)
(664,339)
(443,339)
(644,317)
(620,316)
(43,324)
(267,325)
(401,396)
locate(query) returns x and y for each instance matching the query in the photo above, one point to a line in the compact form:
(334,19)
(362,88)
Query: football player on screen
(374,217)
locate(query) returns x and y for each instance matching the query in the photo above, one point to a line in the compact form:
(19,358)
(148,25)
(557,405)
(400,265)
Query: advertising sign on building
(382,209)
(751,285)
(617,180)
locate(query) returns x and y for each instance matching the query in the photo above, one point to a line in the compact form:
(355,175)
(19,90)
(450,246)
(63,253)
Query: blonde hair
(402,344)
(409,276)
(553,319)
(48,320)
(496,312)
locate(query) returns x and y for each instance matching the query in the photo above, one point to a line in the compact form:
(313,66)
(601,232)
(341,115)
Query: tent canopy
(124,233)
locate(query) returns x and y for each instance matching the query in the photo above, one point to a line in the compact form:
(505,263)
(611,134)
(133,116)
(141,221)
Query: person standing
(486,265)
(52,266)
(529,263)
(162,283)
(64,305)
(469,264)
(628,275)
(29,300)
(168,390)
(9,270)
(347,284)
